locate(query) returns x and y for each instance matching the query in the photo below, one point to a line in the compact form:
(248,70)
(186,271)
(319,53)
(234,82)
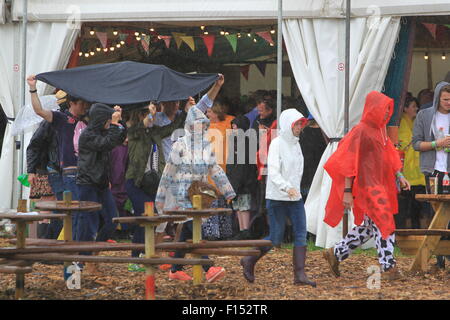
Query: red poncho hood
(368,155)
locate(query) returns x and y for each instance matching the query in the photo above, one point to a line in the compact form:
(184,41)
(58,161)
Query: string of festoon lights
(426,56)
(120,37)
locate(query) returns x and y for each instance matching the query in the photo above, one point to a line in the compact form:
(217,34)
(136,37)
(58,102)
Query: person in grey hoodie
(434,160)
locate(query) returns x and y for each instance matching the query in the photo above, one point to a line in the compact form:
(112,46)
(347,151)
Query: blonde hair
(219,109)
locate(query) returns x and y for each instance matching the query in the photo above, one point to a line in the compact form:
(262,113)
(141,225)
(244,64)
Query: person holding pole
(364,170)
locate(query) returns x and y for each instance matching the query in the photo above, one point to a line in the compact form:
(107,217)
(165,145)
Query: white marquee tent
(313,30)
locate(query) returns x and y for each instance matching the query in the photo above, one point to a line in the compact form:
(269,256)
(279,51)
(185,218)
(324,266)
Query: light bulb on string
(272,30)
(122,42)
(111,49)
(249,34)
(80,54)
(222,32)
(115,32)
(202,28)
(138,38)
(426,56)
(143,34)
(227,33)
(92,32)
(271,44)
(98,49)
(159,38)
(152,29)
(136,34)
(86,54)
(443,56)
(105,50)
(118,45)
(205,32)
(92,52)
(254,40)
(239,35)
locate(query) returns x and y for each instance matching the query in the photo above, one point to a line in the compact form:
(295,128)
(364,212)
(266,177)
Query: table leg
(149,270)
(426,248)
(67,228)
(20,277)
(196,237)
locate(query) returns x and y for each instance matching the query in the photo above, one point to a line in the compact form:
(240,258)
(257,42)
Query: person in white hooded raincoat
(283,197)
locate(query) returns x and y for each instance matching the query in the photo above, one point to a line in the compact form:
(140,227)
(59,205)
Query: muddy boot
(248,263)
(300,277)
(333,262)
(391,274)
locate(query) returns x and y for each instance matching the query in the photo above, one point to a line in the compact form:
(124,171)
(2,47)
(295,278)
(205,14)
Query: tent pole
(346,94)
(23,86)
(279,59)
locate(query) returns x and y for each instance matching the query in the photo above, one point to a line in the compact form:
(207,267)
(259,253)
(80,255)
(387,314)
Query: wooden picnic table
(16,266)
(197,215)
(149,220)
(426,242)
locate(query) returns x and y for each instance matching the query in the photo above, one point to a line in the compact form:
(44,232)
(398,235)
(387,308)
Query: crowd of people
(125,156)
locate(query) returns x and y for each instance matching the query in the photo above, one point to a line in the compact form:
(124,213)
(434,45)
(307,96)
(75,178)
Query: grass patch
(368,252)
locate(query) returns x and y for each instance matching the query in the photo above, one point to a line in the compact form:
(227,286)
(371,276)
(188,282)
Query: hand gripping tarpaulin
(127,82)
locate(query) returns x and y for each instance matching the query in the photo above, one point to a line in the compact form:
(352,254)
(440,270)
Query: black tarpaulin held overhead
(127,82)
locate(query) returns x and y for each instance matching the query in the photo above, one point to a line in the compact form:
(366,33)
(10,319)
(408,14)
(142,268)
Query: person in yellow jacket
(409,207)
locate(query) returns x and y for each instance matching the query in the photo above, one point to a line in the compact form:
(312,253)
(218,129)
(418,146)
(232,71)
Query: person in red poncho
(364,170)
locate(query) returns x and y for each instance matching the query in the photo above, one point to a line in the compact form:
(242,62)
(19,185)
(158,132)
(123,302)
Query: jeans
(186,233)
(137,197)
(278,211)
(88,223)
(56,183)
(69,184)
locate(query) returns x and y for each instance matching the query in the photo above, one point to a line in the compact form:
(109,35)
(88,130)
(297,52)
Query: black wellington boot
(248,263)
(299,258)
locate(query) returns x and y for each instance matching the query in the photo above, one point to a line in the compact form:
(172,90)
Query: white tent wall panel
(204,10)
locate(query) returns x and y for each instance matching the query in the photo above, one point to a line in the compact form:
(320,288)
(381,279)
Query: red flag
(209,43)
(431,27)
(245,70)
(166,40)
(266,36)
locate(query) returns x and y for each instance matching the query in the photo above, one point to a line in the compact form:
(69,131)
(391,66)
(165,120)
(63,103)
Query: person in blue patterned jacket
(191,159)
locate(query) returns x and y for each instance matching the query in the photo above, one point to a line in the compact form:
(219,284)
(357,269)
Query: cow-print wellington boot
(300,277)
(248,263)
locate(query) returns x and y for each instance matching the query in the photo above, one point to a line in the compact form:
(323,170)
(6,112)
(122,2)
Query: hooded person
(241,172)
(363,170)
(191,159)
(283,197)
(431,137)
(103,133)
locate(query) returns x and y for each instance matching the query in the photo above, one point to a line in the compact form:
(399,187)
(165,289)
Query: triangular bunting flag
(103,37)
(166,40)
(146,43)
(177,36)
(261,67)
(266,36)
(245,70)
(189,41)
(431,27)
(209,43)
(232,39)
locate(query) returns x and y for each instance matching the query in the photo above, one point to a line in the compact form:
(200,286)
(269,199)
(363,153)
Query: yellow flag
(177,36)
(190,42)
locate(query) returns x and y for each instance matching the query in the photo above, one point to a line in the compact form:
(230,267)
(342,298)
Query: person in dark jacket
(241,174)
(103,133)
(42,161)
